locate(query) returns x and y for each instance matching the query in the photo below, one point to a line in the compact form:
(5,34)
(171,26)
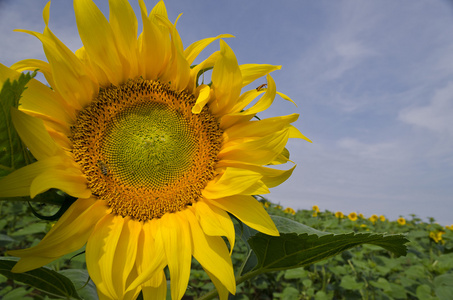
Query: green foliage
(367,271)
(13,153)
(44,279)
(291,250)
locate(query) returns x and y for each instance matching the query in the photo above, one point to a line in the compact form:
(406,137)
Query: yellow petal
(259,128)
(194,49)
(126,248)
(70,77)
(123,22)
(33,64)
(251,72)
(229,120)
(39,98)
(294,133)
(245,99)
(221,289)
(177,72)
(33,133)
(266,100)
(69,234)
(212,253)
(160,9)
(100,253)
(174,234)
(68,181)
(98,39)
(148,265)
(286,98)
(214,221)
(262,104)
(282,158)
(204,66)
(85,59)
(151,292)
(235,181)
(72,80)
(260,151)
(204,92)
(226,81)
(271,177)
(17,183)
(248,210)
(57,133)
(154,59)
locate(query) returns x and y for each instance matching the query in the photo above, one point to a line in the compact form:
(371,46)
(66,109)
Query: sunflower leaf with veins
(13,153)
(44,279)
(299,245)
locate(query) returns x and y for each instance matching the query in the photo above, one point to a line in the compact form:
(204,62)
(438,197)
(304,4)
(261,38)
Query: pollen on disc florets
(143,150)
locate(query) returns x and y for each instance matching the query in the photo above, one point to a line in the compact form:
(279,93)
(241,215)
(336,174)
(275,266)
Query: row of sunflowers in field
(435,234)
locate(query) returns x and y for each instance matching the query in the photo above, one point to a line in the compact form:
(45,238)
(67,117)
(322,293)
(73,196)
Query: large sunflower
(156,159)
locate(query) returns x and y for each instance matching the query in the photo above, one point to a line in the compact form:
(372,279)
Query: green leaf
(397,291)
(321,295)
(43,279)
(13,153)
(381,283)
(296,273)
(348,282)
(424,292)
(291,250)
(299,245)
(443,286)
(289,293)
(82,282)
(31,229)
(285,225)
(18,293)
(5,239)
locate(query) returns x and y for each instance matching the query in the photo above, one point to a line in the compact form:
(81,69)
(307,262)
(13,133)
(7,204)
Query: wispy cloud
(437,115)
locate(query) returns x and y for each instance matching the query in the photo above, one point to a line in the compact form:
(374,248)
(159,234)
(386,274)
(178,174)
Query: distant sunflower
(156,159)
(352,216)
(339,215)
(373,218)
(401,221)
(289,210)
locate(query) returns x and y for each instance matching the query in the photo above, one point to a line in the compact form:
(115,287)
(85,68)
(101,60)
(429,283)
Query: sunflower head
(289,210)
(353,216)
(374,218)
(156,160)
(401,221)
(144,151)
(339,215)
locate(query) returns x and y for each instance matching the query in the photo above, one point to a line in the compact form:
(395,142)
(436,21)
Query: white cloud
(381,151)
(436,116)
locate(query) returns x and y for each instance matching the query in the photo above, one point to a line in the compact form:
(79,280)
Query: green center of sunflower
(149,145)
(143,150)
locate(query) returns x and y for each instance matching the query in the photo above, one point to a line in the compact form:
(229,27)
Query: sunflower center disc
(149,145)
(143,150)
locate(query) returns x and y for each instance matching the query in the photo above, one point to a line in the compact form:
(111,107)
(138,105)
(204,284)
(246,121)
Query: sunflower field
(362,272)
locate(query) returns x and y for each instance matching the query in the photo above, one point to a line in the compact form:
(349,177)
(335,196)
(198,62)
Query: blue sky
(373,81)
